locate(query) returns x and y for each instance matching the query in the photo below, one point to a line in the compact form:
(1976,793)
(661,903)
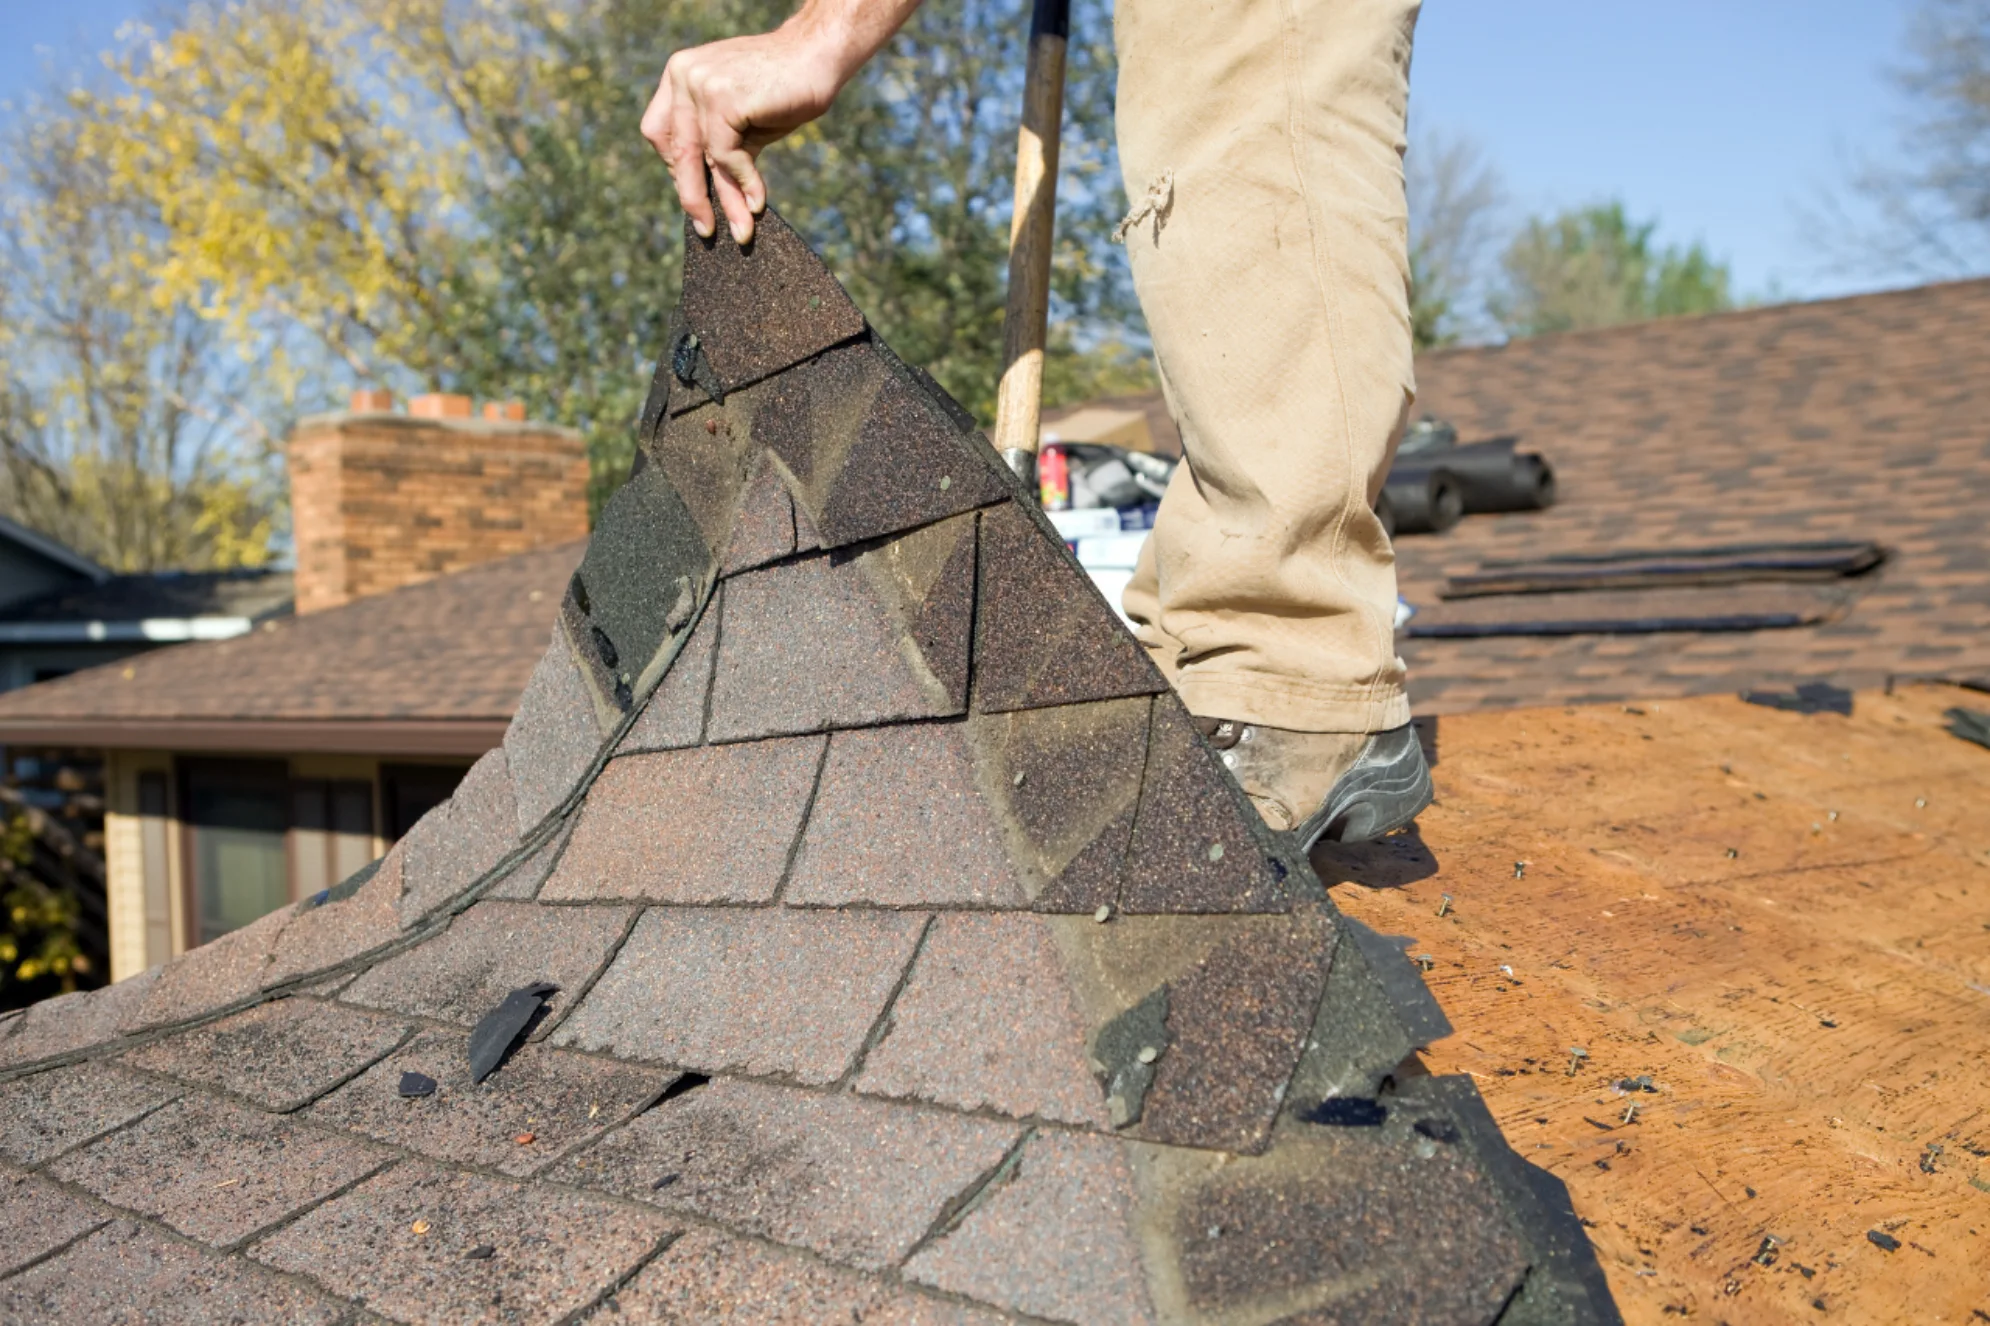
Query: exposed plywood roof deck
(1814,1010)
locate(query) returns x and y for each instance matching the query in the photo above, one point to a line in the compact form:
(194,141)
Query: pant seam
(1294,106)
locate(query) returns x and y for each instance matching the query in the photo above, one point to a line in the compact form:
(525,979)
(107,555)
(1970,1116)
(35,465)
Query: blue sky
(1718,117)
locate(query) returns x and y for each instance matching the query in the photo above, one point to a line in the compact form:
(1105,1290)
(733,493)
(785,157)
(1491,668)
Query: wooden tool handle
(1019,400)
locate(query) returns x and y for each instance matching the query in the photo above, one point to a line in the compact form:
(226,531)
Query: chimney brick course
(380,501)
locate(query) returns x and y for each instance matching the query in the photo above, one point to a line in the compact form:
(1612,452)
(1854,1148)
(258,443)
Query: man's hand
(720,104)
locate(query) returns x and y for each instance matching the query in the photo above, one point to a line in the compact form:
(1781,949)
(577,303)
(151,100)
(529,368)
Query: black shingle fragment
(1813,697)
(415,1085)
(496,1030)
(1347,1112)
(1884,1242)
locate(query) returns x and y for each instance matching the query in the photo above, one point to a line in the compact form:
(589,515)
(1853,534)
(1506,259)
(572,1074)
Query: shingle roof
(1859,418)
(915,961)
(444,659)
(254,594)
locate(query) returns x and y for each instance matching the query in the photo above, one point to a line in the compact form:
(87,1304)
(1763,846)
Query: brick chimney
(380,499)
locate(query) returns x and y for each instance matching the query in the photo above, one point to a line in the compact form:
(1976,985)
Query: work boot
(1343,786)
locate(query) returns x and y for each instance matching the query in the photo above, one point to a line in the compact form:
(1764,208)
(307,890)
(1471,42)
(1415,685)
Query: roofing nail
(946,482)
(1148,1054)
(1444,905)
(1018,779)
(1425,961)
(1104,913)
(1216,851)
(1920,803)
(1520,870)
(1731,854)
(1576,1055)
(1631,1112)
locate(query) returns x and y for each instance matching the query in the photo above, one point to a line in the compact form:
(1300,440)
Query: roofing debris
(1969,724)
(1811,697)
(1001,1004)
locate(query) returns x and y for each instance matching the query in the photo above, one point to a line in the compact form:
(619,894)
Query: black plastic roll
(1420,501)
(1493,477)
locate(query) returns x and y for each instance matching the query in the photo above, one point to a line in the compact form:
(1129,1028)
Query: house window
(331,831)
(410,791)
(237,817)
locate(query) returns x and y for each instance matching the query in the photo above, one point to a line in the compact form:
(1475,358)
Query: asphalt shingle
(45,1115)
(857,1181)
(279,1055)
(763,992)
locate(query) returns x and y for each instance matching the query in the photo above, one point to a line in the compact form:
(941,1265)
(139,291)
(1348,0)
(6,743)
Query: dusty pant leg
(1274,273)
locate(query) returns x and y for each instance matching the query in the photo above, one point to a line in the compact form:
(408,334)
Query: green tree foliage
(1594,267)
(453,193)
(1456,198)
(124,430)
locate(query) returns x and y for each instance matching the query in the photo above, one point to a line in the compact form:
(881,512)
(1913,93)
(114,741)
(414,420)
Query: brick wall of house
(381,499)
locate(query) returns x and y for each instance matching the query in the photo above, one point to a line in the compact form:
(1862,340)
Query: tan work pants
(1261,143)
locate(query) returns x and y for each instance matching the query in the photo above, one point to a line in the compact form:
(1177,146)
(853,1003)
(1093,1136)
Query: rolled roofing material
(1631,612)
(1493,477)
(1723,565)
(1420,501)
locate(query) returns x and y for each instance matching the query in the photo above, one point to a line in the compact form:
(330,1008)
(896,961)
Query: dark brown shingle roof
(956,984)
(1860,418)
(437,666)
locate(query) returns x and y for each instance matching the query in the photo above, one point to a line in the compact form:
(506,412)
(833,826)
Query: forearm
(848,32)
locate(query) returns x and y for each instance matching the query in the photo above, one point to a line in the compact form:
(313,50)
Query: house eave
(390,736)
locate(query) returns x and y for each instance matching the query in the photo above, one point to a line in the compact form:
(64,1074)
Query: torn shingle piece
(340,928)
(71,1022)
(39,1218)
(646,567)
(902,819)
(997,984)
(1069,778)
(764,530)
(674,715)
(1053,1237)
(47,1114)
(553,1252)
(1043,635)
(563,1099)
(838,640)
(711,824)
(455,844)
(522,882)
(761,991)
(414,1086)
(763,308)
(495,1033)
(706,1276)
(1346,1224)
(213,976)
(1237,1023)
(1197,845)
(215,1171)
(279,1055)
(491,949)
(855,1180)
(128,1273)
(554,735)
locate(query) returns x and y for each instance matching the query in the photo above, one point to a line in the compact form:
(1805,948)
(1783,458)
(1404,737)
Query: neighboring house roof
(49,550)
(434,668)
(1863,418)
(1866,418)
(160,607)
(878,940)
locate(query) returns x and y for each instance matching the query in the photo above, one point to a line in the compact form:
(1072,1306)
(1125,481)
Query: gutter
(315,736)
(152,630)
